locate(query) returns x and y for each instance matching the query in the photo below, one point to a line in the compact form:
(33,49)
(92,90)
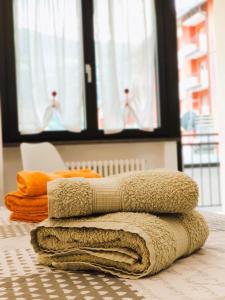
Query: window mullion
(89,61)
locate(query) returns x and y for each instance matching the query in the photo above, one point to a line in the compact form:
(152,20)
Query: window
(84,70)
(49,65)
(126,67)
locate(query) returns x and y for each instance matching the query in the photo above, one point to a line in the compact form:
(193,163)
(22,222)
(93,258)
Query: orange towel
(23,217)
(32,183)
(19,203)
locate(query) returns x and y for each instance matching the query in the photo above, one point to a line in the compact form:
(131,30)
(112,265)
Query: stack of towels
(131,225)
(30,203)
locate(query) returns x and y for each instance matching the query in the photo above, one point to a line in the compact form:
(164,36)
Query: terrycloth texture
(32,183)
(28,209)
(17,202)
(30,202)
(28,217)
(155,191)
(130,245)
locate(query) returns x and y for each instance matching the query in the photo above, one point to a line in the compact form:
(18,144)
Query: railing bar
(199,144)
(204,165)
(208,205)
(219,187)
(210,174)
(218,176)
(200,134)
(201,177)
(192,162)
(183,160)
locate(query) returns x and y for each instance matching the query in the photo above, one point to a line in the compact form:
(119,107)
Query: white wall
(219,22)
(158,154)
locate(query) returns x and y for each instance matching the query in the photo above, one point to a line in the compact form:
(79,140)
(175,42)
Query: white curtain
(126,56)
(49,57)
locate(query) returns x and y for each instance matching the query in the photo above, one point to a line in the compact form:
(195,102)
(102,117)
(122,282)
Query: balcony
(201,162)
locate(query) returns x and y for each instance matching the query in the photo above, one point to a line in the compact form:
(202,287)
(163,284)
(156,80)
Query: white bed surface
(200,276)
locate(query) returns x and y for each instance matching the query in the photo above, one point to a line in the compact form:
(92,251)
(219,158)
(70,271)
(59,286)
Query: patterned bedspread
(200,276)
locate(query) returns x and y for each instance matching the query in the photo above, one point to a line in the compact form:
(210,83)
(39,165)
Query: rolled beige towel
(129,245)
(154,191)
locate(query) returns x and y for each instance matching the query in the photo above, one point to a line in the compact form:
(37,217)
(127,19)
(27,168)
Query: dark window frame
(168,79)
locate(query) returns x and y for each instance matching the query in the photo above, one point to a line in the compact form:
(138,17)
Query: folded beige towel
(155,191)
(129,245)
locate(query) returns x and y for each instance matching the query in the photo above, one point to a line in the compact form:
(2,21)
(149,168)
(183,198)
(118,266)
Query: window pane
(49,65)
(126,64)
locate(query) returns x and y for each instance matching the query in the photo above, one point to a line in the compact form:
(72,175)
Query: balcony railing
(201,162)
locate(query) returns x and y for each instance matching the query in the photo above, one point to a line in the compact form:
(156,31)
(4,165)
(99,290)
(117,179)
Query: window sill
(105,141)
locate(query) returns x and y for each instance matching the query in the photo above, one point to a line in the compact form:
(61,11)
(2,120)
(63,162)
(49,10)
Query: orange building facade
(196,52)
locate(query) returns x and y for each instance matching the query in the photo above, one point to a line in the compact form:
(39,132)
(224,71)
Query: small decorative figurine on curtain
(55,122)
(55,102)
(130,117)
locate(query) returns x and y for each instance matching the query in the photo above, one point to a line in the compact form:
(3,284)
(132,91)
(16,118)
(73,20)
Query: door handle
(88,71)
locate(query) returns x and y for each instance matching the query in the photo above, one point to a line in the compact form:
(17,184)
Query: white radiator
(109,167)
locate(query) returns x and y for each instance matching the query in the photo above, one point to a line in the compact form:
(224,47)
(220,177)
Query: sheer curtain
(126,56)
(49,57)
